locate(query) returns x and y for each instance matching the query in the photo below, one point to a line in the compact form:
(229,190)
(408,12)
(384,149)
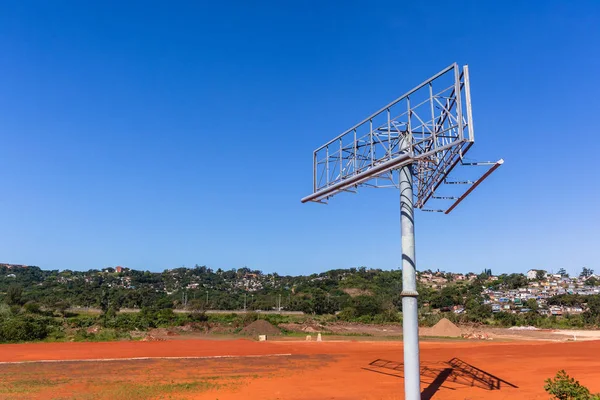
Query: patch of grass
(285,332)
(24,386)
(103,335)
(163,390)
(129,391)
(347,334)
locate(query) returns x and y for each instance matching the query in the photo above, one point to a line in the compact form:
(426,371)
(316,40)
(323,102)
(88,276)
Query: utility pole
(184,299)
(244,301)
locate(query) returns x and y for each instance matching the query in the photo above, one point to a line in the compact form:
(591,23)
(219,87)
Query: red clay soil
(327,370)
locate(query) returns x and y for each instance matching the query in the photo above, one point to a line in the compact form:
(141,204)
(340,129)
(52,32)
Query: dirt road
(290,370)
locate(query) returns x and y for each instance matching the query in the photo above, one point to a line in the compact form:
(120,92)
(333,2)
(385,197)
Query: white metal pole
(410,324)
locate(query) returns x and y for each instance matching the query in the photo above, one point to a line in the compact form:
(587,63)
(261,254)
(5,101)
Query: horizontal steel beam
(357,179)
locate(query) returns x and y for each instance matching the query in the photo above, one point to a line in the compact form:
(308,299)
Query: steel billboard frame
(420,152)
(367,153)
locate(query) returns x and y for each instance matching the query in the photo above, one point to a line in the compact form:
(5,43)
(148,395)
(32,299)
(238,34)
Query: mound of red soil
(445,328)
(261,327)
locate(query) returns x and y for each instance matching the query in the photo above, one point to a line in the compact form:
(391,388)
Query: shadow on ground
(451,375)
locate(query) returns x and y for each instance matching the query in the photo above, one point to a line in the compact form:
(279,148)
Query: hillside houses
(523,293)
(440,279)
(514,300)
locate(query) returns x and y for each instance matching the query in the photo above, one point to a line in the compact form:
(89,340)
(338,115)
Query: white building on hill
(532,274)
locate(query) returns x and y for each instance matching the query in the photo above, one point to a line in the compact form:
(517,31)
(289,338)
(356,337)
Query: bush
(83,321)
(563,387)
(198,317)
(366,305)
(430,319)
(131,321)
(347,314)
(5,311)
(104,335)
(276,319)
(32,307)
(14,295)
(506,319)
(386,317)
(19,328)
(364,319)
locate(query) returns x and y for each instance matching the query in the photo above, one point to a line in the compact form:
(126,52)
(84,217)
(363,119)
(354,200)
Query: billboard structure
(413,144)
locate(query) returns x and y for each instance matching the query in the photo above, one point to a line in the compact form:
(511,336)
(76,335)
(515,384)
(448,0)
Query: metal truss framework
(430,128)
(413,144)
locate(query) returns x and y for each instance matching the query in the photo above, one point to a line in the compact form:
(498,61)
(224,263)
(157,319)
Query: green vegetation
(39,305)
(127,391)
(18,388)
(17,325)
(563,387)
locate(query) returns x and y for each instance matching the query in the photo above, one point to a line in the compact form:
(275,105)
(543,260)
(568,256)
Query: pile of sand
(445,328)
(261,327)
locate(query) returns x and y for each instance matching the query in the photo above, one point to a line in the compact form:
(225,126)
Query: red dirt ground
(327,370)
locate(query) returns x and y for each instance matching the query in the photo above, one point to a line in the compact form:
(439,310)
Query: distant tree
(586,273)
(593,281)
(505,319)
(447,297)
(563,272)
(532,304)
(110,300)
(14,295)
(592,315)
(568,300)
(197,305)
(347,314)
(515,281)
(197,308)
(62,306)
(32,307)
(476,311)
(540,275)
(593,304)
(366,305)
(481,278)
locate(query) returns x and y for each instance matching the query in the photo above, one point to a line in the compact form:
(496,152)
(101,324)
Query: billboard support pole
(410,321)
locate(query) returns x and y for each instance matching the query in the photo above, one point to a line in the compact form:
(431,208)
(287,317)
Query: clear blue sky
(159,134)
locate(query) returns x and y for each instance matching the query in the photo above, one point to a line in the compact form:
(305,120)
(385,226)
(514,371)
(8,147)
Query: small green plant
(563,387)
